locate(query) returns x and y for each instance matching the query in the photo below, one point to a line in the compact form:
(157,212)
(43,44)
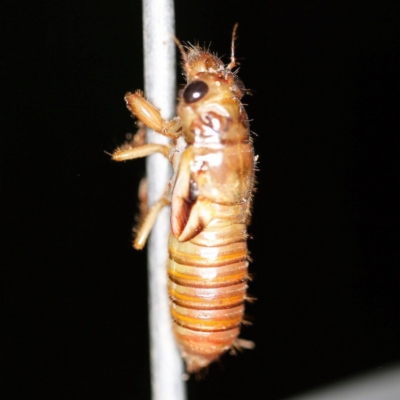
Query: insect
(210,196)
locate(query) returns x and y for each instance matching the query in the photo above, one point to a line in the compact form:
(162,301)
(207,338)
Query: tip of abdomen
(201,348)
(196,363)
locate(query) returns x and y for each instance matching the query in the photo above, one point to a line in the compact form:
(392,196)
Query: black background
(325,80)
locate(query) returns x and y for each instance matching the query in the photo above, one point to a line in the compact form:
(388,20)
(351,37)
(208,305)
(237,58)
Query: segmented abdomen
(207,287)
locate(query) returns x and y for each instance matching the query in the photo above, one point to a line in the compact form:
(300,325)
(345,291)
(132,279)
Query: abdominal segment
(207,287)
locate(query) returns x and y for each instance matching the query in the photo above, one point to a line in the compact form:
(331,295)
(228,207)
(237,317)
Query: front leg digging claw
(151,117)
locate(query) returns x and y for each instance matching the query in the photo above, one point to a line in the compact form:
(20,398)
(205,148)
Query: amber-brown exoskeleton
(210,197)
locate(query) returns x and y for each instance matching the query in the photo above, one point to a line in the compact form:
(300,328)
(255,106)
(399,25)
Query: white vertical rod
(160,89)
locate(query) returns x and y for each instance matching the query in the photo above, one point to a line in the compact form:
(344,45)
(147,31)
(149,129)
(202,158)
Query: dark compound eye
(195,91)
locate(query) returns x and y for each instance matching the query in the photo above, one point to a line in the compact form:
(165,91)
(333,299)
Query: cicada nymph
(210,196)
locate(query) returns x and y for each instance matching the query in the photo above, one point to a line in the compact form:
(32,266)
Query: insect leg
(151,117)
(150,219)
(130,153)
(136,147)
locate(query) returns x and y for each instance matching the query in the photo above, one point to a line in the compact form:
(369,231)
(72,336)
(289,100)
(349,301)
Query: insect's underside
(210,197)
